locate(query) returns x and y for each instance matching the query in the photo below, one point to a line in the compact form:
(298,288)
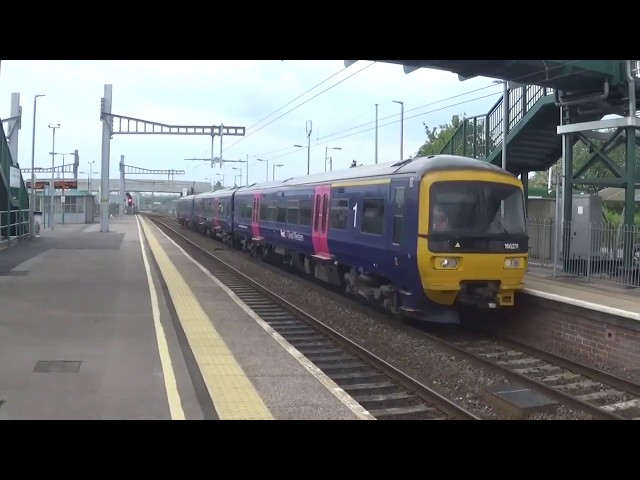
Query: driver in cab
(440,222)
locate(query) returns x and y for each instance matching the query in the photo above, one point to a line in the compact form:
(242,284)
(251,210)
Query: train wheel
(393,304)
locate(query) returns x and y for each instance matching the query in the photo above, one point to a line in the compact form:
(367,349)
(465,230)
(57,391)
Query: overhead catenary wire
(518,80)
(395,121)
(450,98)
(297,106)
(299,96)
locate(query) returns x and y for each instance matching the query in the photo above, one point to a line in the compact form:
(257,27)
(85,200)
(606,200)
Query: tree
(541,178)
(581,155)
(438,137)
(217,186)
(452,139)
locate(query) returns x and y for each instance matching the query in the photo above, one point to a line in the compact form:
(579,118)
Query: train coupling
(480,294)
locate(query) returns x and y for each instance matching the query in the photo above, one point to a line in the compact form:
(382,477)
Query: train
(131,203)
(427,237)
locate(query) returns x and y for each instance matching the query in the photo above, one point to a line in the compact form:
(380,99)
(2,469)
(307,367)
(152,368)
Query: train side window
(398,213)
(317,217)
(282,214)
(272,212)
(263,211)
(325,208)
(372,216)
(339,213)
(305,214)
(292,212)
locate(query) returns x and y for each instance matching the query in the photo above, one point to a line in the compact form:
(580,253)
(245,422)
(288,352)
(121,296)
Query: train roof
(221,192)
(417,165)
(186,197)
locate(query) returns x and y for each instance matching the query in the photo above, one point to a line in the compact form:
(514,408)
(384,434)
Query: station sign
(59,184)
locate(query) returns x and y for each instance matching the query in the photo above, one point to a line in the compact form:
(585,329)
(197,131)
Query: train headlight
(446,263)
(513,263)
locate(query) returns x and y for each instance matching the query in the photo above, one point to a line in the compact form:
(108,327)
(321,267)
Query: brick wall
(600,340)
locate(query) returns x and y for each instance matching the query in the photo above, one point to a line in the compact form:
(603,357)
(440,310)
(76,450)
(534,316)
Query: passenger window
(339,214)
(305,213)
(372,216)
(292,212)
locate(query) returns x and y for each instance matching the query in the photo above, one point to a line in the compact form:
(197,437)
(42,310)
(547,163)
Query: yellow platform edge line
(334,388)
(233,394)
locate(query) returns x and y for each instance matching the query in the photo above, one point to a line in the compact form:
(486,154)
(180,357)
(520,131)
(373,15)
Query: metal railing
(593,252)
(17,226)
(478,136)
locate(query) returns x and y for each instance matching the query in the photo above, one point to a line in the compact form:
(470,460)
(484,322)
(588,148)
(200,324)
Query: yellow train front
(472,247)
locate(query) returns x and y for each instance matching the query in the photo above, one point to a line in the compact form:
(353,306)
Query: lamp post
(505,128)
(505,122)
(326,149)
(33,175)
(308,156)
(62,189)
(308,147)
(90,175)
(266,178)
(238,175)
(401,126)
(52,188)
(273,175)
(376,158)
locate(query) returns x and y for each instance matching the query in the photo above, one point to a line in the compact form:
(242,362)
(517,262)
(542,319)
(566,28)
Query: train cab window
(292,212)
(305,213)
(339,213)
(398,213)
(372,216)
(471,207)
(325,208)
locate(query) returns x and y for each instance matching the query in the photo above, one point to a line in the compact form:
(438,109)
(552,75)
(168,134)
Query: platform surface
(82,337)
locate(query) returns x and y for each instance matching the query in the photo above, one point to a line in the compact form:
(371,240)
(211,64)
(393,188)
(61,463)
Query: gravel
(404,348)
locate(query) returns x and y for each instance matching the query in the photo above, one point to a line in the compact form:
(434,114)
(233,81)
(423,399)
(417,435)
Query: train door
(255,216)
(320,223)
(395,215)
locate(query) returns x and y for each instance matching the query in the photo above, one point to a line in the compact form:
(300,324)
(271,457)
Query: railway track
(578,386)
(383,390)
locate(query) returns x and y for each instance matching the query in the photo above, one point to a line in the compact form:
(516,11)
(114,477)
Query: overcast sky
(245,93)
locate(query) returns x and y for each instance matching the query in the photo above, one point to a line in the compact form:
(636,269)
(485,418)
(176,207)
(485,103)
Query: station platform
(615,300)
(123,325)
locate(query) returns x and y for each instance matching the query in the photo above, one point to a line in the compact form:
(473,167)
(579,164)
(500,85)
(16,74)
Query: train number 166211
(511,246)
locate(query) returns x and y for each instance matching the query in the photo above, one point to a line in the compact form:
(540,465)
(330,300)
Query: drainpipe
(632,90)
